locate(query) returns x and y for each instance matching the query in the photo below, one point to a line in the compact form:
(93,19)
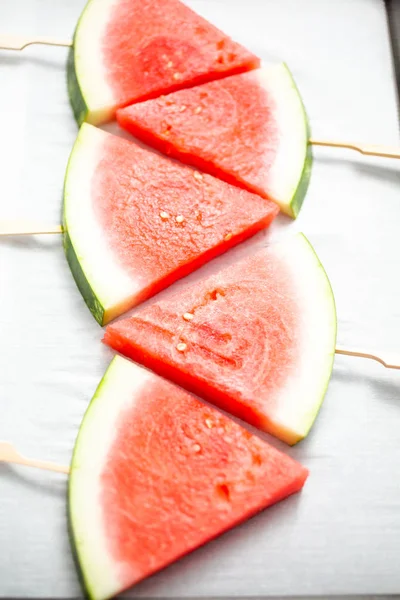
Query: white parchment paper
(341,535)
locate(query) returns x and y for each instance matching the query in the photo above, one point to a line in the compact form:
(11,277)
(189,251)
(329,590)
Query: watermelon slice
(130,50)
(156,473)
(135,221)
(257,339)
(250,130)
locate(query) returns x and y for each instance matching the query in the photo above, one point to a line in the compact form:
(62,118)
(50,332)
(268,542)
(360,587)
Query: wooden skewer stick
(27,228)
(386,360)
(19,42)
(9,454)
(367,149)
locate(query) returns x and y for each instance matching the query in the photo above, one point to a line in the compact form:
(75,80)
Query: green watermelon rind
(76,98)
(92,301)
(78,454)
(90,96)
(331,315)
(295,202)
(104,284)
(82,281)
(301,191)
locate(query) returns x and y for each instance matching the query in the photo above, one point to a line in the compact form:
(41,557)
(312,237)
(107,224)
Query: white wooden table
(342,534)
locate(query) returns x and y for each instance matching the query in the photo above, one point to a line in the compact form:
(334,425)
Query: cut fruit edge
(120,389)
(302,395)
(285,186)
(296,415)
(82,234)
(92,98)
(98,569)
(294,148)
(108,288)
(96,104)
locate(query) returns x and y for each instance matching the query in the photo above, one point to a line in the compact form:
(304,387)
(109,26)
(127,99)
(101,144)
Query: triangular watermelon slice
(135,221)
(257,338)
(130,50)
(156,474)
(250,130)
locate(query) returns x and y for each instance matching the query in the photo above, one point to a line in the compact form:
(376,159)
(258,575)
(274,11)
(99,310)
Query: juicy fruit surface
(242,338)
(234,128)
(238,342)
(159,216)
(222,123)
(135,216)
(176,474)
(207,473)
(151,47)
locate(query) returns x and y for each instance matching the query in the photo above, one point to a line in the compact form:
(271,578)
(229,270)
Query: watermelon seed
(179,219)
(197,176)
(164,215)
(257,460)
(196,447)
(188,316)
(177,75)
(197,110)
(223,491)
(228,237)
(214,294)
(181,347)
(182,108)
(170,64)
(209,423)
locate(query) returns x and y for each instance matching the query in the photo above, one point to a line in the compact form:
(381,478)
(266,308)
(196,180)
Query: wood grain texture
(342,534)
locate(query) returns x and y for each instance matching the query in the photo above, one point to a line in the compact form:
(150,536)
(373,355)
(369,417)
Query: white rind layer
(113,287)
(286,172)
(89,65)
(300,399)
(120,387)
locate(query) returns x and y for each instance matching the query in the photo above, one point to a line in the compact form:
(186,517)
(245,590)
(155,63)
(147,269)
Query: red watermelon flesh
(152,47)
(257,338)
(248,129)
(171,474)
(133,188)
(139,221)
